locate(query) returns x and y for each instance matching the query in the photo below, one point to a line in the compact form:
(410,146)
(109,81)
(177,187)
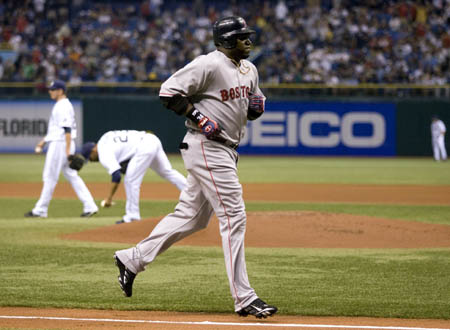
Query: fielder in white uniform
(218,93)
(131,153)
(60,138)
(438,139)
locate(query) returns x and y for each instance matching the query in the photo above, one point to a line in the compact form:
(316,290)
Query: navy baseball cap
(57,84)
(86,149)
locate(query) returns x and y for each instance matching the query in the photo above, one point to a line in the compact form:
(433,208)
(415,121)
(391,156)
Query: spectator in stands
(347,41)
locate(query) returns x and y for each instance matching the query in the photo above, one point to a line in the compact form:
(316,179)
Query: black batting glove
(255,106)
(210,128)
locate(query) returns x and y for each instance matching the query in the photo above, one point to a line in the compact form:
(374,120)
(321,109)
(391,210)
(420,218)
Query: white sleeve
(63,116)
(107,158)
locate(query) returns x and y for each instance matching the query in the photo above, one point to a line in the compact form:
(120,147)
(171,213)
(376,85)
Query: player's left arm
(68,138)
(256,100)
(64,119)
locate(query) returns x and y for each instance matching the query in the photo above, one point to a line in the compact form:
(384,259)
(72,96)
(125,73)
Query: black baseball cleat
(259,309)
(87,214)
(126,278)
(30,214)
(123,221)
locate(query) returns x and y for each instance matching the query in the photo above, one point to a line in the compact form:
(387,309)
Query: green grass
(344,170)
(39,269)
(28,168)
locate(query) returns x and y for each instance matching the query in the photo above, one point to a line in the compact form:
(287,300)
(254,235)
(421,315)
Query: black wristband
(176,103)
(253,114)
(195,115)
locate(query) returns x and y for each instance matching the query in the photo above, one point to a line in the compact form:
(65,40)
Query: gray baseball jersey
(218,87)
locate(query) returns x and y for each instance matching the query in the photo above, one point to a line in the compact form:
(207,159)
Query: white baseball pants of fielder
(439,152)
(212,186)
(55,162)
(149,153)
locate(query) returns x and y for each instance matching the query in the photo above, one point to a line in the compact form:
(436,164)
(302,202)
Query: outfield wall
(365,127)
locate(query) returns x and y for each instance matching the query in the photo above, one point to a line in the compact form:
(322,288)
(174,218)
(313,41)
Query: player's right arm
(106,157)
(186,82)
(182,106)
(175,92)
(39,146)
(112,190)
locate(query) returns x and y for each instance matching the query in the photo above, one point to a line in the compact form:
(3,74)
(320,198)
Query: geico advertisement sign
(279,129)
(341,131)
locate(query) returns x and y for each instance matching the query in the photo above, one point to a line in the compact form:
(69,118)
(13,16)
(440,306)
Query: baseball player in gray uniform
(131,153)
(60,138)
(218,93)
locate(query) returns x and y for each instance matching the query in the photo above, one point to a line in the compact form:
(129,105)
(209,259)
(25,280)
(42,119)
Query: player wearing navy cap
(60,139)
(131,153)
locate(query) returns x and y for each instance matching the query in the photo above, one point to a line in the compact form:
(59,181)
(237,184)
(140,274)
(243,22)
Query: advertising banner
(323,128)
(24,123)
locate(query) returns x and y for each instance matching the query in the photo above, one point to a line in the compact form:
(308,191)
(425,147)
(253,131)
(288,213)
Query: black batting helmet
(226,31)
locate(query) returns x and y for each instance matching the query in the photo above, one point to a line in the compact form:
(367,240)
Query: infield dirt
(296,192)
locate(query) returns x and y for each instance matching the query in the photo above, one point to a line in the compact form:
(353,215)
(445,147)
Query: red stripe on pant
(228,220)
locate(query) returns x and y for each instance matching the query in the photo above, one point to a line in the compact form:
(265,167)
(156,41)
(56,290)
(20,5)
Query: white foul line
(291,325)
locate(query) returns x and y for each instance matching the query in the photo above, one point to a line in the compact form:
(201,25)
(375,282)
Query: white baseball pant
(55,162)
(150,153)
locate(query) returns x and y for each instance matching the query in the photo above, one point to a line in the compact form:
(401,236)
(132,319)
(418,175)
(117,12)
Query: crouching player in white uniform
(131,153)
(60,139)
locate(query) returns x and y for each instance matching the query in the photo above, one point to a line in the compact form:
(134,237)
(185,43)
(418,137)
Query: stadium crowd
(310,41)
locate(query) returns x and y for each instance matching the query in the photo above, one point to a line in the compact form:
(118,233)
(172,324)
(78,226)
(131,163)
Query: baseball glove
(124,166)
(76,161)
